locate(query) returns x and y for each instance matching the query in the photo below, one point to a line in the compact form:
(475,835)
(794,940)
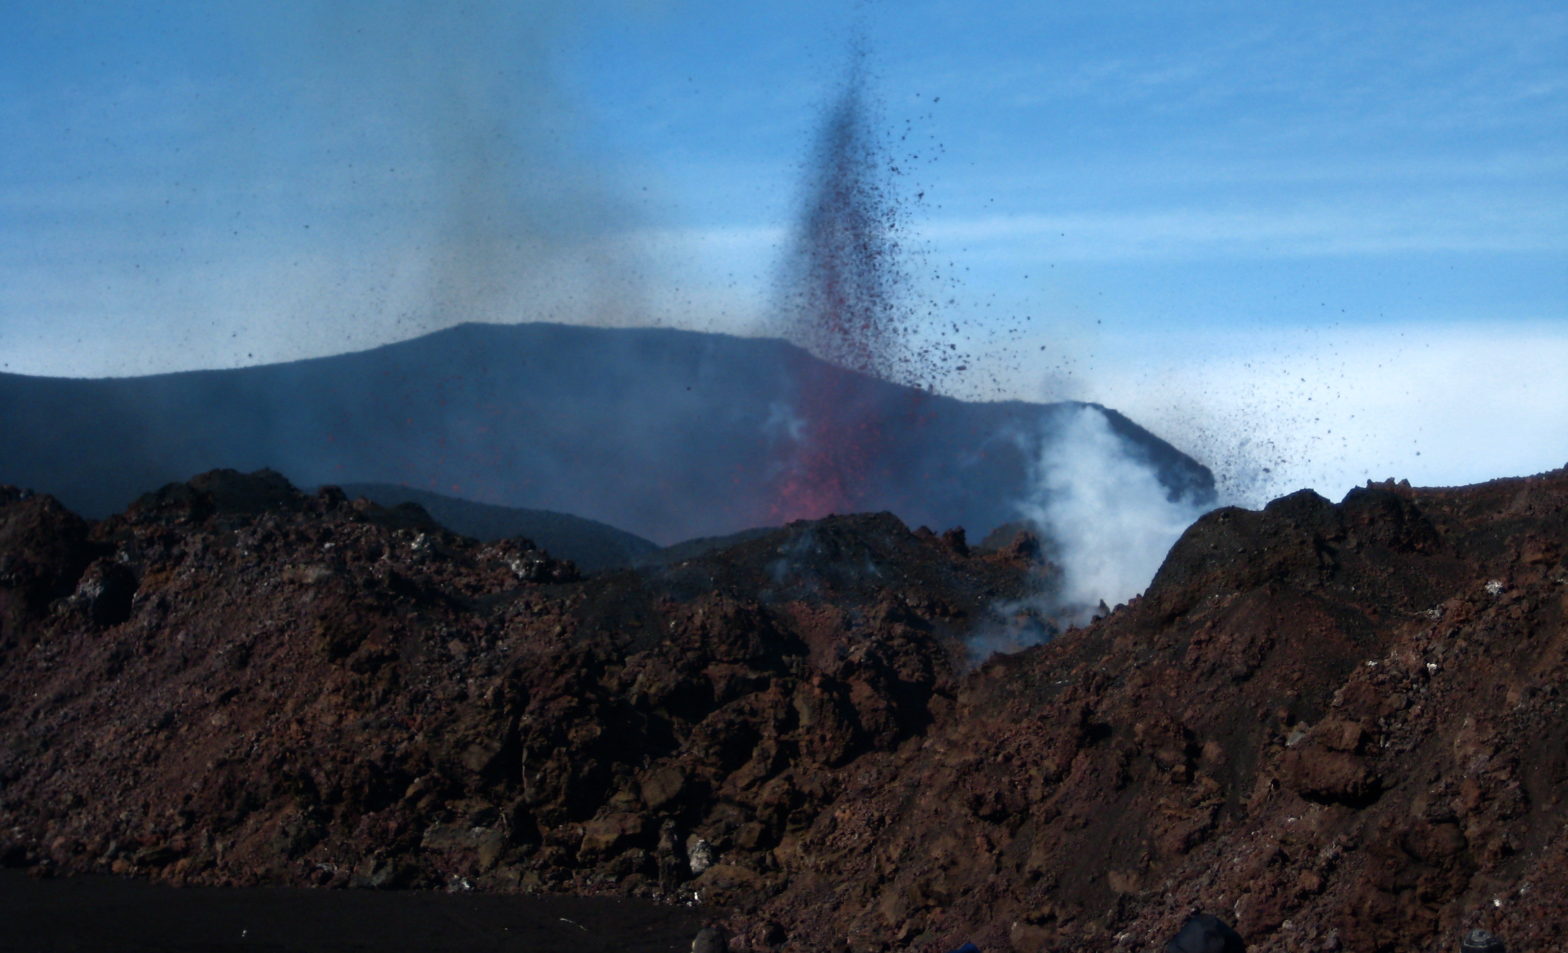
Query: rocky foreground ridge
(1344,727)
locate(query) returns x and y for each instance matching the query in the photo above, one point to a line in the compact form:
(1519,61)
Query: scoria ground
(1344,727)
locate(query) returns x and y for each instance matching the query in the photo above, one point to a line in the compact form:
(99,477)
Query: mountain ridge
(664,433)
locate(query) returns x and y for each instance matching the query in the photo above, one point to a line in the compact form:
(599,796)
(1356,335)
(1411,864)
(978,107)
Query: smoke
(840,286)
(508,216)
(838,297)
(844,295)
(364,172)
(1105,517)
(1109,519)
(846,292)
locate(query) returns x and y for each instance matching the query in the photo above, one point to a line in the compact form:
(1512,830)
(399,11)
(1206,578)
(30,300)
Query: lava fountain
(839,297)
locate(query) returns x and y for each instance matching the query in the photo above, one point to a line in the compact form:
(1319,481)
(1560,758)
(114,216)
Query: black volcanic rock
(666,434)
(43,551)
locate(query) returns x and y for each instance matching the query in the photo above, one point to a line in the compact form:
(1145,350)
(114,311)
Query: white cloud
(1265,232)
(1438,405)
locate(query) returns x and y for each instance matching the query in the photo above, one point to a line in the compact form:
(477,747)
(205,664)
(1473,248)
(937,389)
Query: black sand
(129,916)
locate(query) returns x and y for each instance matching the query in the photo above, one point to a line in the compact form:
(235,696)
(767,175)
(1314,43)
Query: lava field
(1339,726)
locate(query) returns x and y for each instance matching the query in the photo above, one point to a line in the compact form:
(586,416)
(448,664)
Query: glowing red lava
(839,294)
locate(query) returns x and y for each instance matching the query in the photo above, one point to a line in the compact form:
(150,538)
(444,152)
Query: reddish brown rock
(1340,727)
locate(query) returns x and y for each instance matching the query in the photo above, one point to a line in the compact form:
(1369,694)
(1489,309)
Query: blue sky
(1322,242)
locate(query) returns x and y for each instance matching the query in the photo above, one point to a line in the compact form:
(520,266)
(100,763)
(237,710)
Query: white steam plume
(1103,509)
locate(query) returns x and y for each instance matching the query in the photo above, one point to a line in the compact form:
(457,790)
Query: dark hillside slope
(666,434)
(591,545)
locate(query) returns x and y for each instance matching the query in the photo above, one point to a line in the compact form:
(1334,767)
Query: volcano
(665,434)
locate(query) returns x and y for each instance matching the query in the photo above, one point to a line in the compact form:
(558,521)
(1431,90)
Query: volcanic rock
(1204,933)
(1338,726)
(307,690)
(1341,724)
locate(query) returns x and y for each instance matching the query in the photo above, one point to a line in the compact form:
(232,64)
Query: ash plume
(1104,510)
(442,157)
(840,296)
